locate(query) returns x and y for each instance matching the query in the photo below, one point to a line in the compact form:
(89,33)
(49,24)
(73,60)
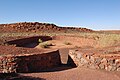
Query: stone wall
(29,62)
(90,59)
(24,41)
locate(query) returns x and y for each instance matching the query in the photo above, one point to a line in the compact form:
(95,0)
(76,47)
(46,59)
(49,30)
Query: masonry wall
(24,41)
(29,62)
(109,62)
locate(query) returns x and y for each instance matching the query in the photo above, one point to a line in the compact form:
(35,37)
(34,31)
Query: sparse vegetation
(67,43)
(45,44)
(40,41)
(103,39)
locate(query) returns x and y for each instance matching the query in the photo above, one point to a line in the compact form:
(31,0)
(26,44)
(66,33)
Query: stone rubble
(109,62)
(36,26)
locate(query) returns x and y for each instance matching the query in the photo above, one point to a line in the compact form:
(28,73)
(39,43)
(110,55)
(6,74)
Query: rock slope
(37,27)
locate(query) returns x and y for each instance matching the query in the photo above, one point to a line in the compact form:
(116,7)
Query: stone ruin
(95,59)
(17,59)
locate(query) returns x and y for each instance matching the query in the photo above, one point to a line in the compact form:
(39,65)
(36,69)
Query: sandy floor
(76,74)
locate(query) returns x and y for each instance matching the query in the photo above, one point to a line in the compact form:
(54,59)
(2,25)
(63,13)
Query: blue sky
(93,14)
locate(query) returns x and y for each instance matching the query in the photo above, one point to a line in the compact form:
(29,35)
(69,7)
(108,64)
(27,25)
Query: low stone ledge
(89,59)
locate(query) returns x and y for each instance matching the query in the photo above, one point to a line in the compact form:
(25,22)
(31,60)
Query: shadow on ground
(62,67)
(14,76)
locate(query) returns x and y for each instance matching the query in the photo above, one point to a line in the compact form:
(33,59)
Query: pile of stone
(89,59)
(36,26)
(26,27)
(8,64)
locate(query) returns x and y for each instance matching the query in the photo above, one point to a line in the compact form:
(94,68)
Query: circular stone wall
(15,60)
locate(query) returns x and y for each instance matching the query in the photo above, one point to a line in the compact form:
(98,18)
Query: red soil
(77,74)
(12,50)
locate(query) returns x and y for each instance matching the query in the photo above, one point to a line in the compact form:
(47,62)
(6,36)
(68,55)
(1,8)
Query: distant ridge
(38,27)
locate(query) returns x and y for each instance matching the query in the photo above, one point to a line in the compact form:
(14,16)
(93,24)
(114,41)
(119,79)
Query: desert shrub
(45,45)
(67,43)
(40,41)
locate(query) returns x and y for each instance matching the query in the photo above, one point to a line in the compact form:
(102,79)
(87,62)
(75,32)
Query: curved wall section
(29,62)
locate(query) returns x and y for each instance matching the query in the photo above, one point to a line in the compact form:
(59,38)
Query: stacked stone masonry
(29,62)
(109,62)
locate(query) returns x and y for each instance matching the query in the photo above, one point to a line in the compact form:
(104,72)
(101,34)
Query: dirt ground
(77,74)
